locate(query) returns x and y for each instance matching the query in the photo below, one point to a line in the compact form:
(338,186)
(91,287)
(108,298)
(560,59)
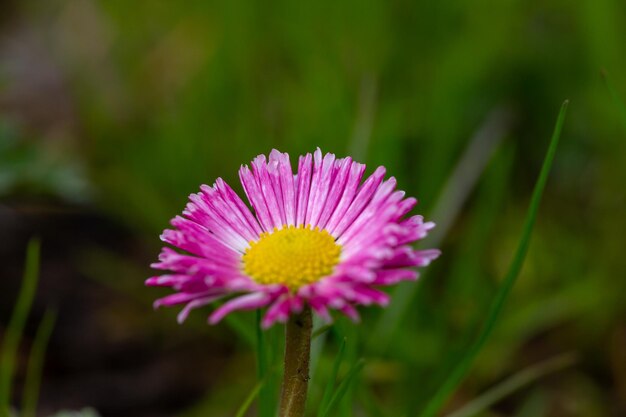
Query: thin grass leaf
(330,385)
(343,387)
(619,104)
(514,383)
(346,328)
(369,403)
(457,189)
(318,345)
(16,324)
(276,348)
(242,328)
(320,331)
(255,392)
(35,364)
(265,406)
(85,412)
(248,401)
(536,405)
(466,361)
(366,110)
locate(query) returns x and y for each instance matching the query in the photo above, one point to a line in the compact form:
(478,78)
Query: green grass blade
(242,328)
(35,365)
(455,192)
(248,401)
(265,405)
(619,104)
(464,364)
(514,383)
(343,387)
(366,110)
(320,331)
(17,322)
(536,405)
(369,404)
(330,384)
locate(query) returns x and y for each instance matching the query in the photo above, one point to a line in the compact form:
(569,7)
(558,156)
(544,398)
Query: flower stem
(297,354)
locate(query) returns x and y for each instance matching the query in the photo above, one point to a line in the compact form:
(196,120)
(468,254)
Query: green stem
(297,355)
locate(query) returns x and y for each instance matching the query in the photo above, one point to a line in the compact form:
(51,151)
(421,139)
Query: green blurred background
(113,112)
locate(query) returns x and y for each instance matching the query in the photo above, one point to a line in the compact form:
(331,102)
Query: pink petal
(347,196)
(255,196)
(244,302)
(337,190)
(198,302)
(287,185)
(320,185)
(360,201)
(262,175)
(279,311)
(304,184)
(238,206)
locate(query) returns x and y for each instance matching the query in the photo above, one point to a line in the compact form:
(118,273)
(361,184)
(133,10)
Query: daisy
(322,238)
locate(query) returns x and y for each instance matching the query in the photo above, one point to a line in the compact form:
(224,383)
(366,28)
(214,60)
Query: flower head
(321,237)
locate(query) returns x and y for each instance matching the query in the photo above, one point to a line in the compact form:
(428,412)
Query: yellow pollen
(293,256)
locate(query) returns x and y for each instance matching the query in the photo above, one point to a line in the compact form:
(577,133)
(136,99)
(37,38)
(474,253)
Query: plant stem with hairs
(297,354)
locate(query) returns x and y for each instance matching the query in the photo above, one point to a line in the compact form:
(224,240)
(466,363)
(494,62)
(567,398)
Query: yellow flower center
(293,256)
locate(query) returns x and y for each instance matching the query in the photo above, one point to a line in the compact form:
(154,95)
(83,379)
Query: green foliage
(343,387)
(330,384)
(29,169)
(15,328)
(466,360)
(619,104)
(266,402)
(35,365)
(86,412)
(250,398)
(514,383)
(167,95)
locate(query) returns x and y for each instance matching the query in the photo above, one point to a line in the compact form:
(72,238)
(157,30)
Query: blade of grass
(248,401)
(343,387)
(368,401)
(467,359)
(320,331)
(536,405)
(365,117)
(514,383)
(241,327)
(262,367)
(464,276)
(330,384)
(619,104)
(351,357)
(35,365)
(16,324)
(318,345)
(458,187)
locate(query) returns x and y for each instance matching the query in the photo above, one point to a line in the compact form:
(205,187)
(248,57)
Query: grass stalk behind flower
(266,404)
(35,364)
(517,381)
(467,359)
(16,325)
(241,412)
(330,384)
(619,104)
(343,388)
(457,189)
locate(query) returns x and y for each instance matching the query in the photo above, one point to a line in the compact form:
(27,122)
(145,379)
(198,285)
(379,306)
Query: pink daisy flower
(321,237)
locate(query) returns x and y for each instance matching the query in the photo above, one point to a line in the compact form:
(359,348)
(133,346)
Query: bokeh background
(113,112)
